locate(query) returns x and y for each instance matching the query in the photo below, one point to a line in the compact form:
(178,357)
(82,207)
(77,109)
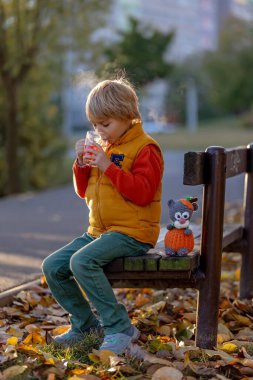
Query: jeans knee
(53,269)
(47,266)
(80,262)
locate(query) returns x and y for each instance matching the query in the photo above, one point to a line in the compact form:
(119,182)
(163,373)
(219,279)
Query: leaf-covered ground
(165,350)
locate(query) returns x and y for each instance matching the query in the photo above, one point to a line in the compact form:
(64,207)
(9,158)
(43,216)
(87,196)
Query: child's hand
(79,149)
(97,157)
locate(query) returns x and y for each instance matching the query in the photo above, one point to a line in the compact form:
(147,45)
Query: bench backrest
(211,168)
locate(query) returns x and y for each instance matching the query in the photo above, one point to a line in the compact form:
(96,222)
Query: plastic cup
(91,138)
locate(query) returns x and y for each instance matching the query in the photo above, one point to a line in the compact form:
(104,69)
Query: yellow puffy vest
(109,210)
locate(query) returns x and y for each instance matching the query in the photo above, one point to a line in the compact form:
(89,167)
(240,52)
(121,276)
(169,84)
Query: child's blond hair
(112,99)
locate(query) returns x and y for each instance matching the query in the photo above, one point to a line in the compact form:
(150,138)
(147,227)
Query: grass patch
(224,132)
(78,352)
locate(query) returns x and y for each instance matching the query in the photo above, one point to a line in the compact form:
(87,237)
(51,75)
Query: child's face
(111,129)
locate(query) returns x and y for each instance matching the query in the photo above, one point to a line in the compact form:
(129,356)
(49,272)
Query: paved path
(35,224)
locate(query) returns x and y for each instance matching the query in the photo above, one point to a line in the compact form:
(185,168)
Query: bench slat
(147,265)
(232,233)
(186,263)
(194,168)
(236,161)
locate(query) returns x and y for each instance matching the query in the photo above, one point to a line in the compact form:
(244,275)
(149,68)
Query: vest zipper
(98,202)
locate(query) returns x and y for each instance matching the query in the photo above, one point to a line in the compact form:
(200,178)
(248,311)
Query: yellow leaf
(50,361)
(27,349)
(15,370)
(237,274)
(38,338)
(230,348)
(28,339)
(94,358)
(78,371)
(245,321)
(60,330)
(12,341)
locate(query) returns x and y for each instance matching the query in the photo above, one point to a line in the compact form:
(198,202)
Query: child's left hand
(97,157)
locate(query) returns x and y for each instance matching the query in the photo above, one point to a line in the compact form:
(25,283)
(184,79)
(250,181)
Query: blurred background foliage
(141,52)
(35,36)
(35,40)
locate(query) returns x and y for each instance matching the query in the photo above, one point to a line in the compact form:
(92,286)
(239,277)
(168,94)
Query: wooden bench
(201,269)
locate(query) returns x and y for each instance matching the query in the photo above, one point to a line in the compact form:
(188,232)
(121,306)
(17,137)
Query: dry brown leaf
(78,371)
(224,334)
(141,300)
(247,362)
(153,368)
(245,334)
(105,355)
(14,370)
(86,377)
(15,332)
(191,317)
(51,376)
(167,373)
(164,330)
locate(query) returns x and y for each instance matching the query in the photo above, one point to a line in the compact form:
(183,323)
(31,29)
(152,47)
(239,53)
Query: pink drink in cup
(91,138)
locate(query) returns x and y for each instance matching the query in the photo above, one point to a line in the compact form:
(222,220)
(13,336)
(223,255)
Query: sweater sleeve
(140,185)
(80,178)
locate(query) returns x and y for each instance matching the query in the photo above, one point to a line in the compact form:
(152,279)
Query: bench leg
(211,248)
(246,281)
(207,314)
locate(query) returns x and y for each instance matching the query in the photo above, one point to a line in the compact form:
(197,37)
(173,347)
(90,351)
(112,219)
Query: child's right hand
(79,149)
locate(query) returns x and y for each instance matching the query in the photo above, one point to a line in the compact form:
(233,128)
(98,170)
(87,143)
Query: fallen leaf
(60,330)
(105,355)
(51,376)
(164,330)
(167,373)
(15,332)
(12,341)
(27,349)
(247,363)
(230,348)
(86,377)
(34,338)
(15,370)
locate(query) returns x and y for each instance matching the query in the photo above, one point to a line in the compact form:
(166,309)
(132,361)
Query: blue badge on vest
(117,159)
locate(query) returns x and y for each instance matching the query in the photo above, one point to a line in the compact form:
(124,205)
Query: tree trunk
(11,148)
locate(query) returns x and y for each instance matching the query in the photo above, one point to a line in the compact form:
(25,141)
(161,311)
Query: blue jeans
(79,265)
